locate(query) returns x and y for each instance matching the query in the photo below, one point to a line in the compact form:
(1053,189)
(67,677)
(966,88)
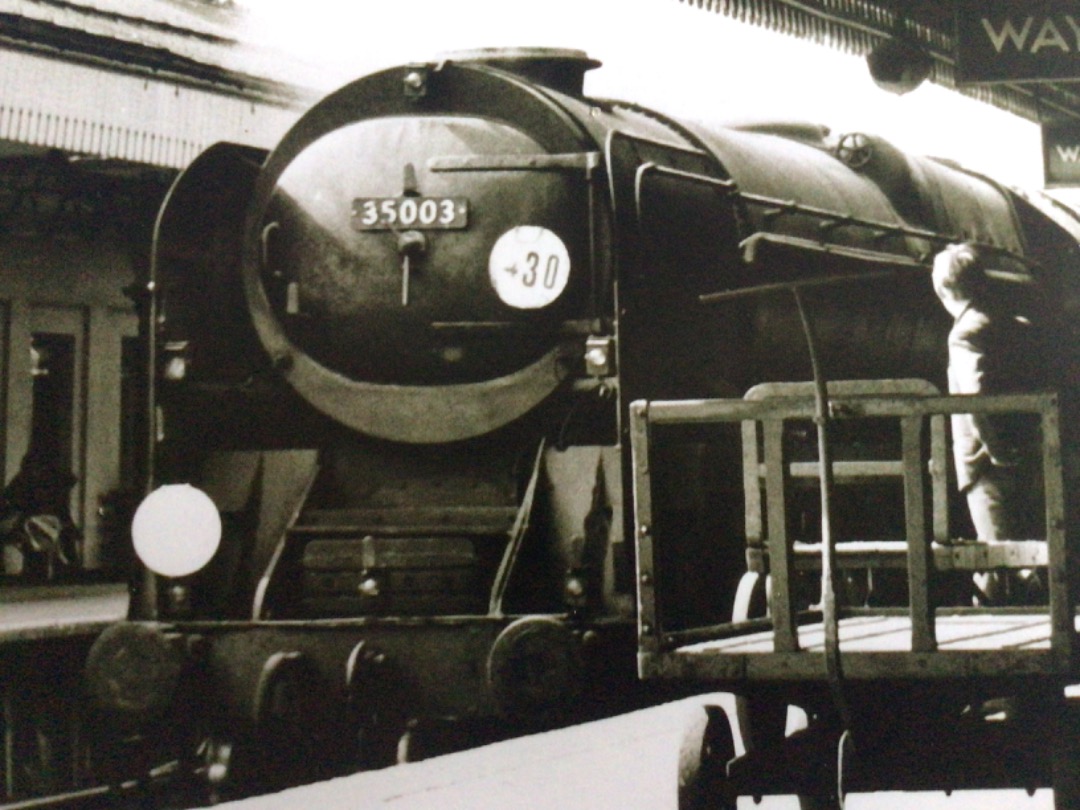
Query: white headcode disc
(529,267)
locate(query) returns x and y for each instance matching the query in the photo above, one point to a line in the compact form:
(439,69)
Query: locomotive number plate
(392,213)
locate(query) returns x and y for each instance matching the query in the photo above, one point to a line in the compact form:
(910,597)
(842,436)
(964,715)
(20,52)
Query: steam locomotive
(395,356)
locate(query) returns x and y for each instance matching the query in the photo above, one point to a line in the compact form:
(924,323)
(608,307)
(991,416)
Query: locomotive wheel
(423,739)
(376,710)
(133,672)
(409,747)
(282,699)
(708,745)
(751,598)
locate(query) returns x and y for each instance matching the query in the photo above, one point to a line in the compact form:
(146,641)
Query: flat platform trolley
(923,693)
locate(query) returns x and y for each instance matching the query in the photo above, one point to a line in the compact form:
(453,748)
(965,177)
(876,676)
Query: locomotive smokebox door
(418,275)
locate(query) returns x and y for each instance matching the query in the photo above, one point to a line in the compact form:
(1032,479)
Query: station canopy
(1038,31)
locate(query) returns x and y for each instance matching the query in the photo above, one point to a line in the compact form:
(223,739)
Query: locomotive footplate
(299,700)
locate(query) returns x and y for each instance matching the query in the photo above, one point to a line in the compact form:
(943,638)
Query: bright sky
(665,54)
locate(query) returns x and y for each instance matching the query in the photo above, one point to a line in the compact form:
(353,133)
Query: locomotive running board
(765,248)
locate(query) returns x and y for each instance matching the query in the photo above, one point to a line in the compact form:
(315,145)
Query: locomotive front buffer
(900,683)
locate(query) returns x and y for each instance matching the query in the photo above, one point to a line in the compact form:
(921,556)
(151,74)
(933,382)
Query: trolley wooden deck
(970,645)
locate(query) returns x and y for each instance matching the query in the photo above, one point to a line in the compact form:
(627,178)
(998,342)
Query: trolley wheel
(762,719)
(751,598)
(832,799)
(708,745)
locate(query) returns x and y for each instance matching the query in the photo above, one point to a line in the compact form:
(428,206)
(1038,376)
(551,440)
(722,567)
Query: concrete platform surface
(623,763)
(53,611)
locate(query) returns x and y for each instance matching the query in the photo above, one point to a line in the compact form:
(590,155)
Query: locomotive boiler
(396,354)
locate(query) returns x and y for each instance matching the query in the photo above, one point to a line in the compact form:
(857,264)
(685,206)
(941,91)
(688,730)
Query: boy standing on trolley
(992,351)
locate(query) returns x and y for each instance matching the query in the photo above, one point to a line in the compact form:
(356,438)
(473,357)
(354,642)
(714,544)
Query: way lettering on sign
(1028,34)
(1061,153)
(1068,154)
(1005,41)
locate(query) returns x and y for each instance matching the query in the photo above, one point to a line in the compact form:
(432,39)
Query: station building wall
(70,360)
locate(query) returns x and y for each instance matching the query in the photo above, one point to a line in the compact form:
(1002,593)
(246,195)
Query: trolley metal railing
(708,653)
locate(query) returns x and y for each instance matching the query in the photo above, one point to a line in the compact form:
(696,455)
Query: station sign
(1007,41)
(1061,153)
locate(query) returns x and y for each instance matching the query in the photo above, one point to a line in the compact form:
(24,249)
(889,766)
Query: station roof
(856,26)
(146,81)
(155,81)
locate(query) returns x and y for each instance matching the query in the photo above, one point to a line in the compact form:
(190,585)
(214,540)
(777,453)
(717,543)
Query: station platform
(629,762)
(37,612)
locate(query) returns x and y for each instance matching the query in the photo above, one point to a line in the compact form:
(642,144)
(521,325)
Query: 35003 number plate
(392,213)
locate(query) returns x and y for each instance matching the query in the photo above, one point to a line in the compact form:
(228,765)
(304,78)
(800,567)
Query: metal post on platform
(833,668)
(834,671)
(1061,579)
(920,561)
